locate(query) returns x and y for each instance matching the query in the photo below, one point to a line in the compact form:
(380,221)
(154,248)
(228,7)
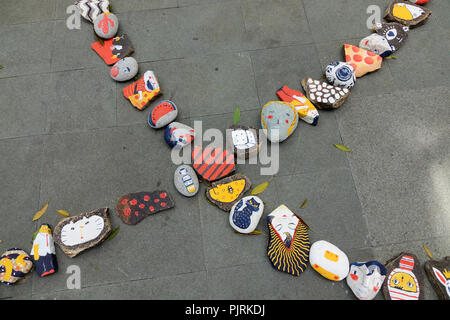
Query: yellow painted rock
(226,192)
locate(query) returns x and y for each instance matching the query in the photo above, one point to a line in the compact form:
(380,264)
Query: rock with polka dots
(362,60)
(134,207)
(324,95)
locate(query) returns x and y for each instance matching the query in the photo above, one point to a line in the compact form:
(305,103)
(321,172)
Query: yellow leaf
(63,213)
(341,147)
(428,251)
(304,204)
(41,212)
(260,188)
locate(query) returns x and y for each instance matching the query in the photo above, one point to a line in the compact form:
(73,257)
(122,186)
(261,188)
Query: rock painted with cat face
(124,69)
(365,279)
(246,213)
(279,120)
(394,33)
(78,233)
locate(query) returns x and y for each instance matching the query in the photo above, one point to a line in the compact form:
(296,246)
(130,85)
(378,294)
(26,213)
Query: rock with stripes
(405,279)
(288,246)
(213,163)
(91,9)
(329,261)
(228,191)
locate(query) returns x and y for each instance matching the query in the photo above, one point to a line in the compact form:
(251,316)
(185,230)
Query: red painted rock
(141,92)
(162,114)
(114,49)
(212,163)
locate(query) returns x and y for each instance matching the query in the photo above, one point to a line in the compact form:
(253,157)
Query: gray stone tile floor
(67,134)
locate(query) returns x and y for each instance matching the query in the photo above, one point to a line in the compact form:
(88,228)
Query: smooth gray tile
(24,11)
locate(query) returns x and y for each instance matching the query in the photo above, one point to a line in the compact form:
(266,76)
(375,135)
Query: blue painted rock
(245,214)
(328,260)
(365,279)
(43,252)
(178,135)
(90,9)
(186,181)
(106,25)
(15,264)
(376,44)
(125,69)
(279,120)
(162,114)
(340,74)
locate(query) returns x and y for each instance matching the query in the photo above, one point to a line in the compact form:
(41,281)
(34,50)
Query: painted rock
(132,208)
(365,279)
(328,260)
(395,33)
(245,214)
(212,163)
(405,280)
(125,69)
(162,114)
(362,60)
(305,109)
(81,232)
(244,141)
(419,1)
(178,135)
(340,74)
(289,245)
(324,95)
(112,50)
(438,272)
(376,44)
(141,92)
(43,252)
(15,264)
(279,120)
(407,13)
(186,181)
(90,9)
(106,25)
(227,191)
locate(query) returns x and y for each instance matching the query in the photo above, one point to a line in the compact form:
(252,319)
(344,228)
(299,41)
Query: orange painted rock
(114,49)
(361,60)
(141,92)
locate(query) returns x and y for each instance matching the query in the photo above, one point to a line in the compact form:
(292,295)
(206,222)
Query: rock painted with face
(404,278)
(227,191)
(305,109)
(394,33)
(244,141)
(124,69)
(365,279)
(43,252)
(186,181)
(212,163)
(329,261)
(438,272)
(279,120)
(178,135)
(106,25)
(141,92)
(362,60)
(90,9)
(15,264)
(376,44)
(112,50)
(245,214)
(162,114)
(340,74)
(78,233)
(407,13)
(288,247)
(324,95)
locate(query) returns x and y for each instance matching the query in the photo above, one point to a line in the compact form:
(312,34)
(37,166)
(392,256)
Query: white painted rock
(279,120)
(365,279)
(178,135)
(186,181)
(376,44)
(340,74)
(328,260)
(125,69)
(245,214)
(106,25)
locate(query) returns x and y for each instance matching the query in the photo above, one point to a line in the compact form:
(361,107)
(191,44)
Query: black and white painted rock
(246,213)
(90,9)
(438,272)
(15,264)
(227,191)
(132,208)
(279,120)
(125,69)
(106,25)
(340,74)
(395,33)
(43,252)
(376,44)
(162,114)
(407,13)
(186,181)
(243,140)
(178,135)
(324,95)
(78,233)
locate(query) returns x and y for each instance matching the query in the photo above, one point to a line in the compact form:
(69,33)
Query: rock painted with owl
(289,245)
(438,272)
(78,233)
(227,191)
(246,213)
(279,120)
(394,33)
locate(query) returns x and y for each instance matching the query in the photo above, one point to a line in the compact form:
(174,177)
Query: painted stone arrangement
(15,264)
(438,272)
(279,120)
(78,233)
(125,69)
(288,247)
(132,208)
(324,95)
(340,74)
(404,278)
(141,92)
(43,252)
(162,114)
(329,261)
(227,191)
(186,181)
(246,213)
(112,50)
(407,13)
(178,135)
(212,163)
(106,25)
(90,9)
(365,279)
(244,141)
(306,110)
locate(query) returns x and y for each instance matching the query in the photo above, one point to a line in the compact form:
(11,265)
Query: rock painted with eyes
(227,191)
(15,264)
(394,33)
(405,280)
(365,279)
(305,109)
(106,25)
(279,120)
(328,260)
(438,272)
(43,252)
(244,141)
(340,74)
(162,114)
(141,92)
(324,95)
(81,232)
(245,214)
(407,13)
(124,69)
(186,181)
(376,44)
(178,135)
(289,245)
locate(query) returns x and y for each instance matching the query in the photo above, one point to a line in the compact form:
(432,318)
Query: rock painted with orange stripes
(228,191)
(212,163)
(141,92)
(362,60)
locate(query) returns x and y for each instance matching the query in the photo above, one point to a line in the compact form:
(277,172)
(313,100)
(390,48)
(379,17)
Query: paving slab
(25,11)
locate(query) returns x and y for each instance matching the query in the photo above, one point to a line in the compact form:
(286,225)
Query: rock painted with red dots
(362,60)
(328,260)
(162,114)
(134,207)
